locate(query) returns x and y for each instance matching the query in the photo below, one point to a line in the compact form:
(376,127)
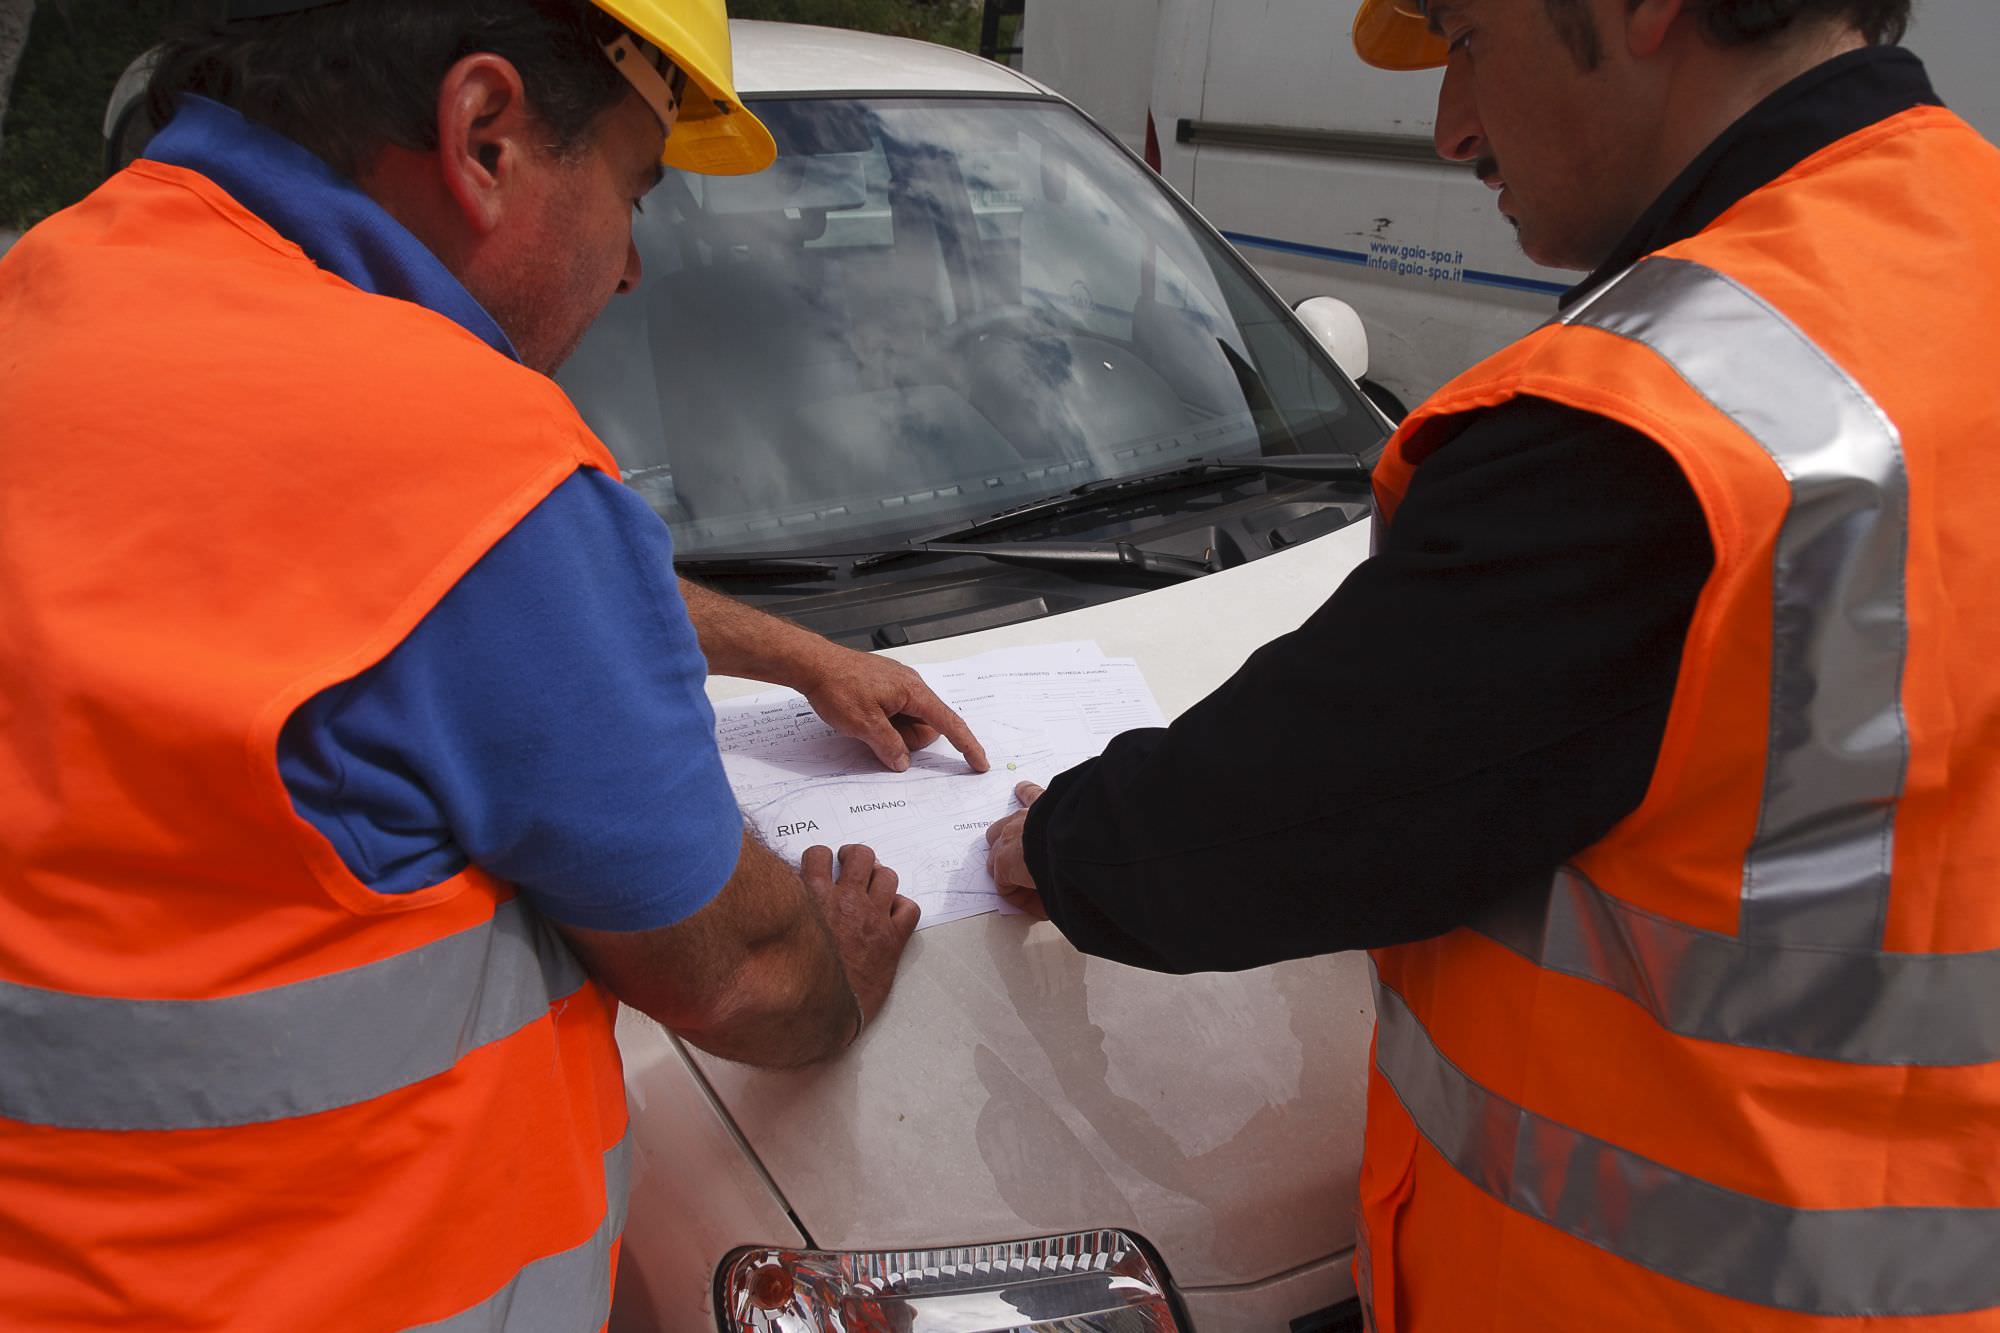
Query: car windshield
(926,311)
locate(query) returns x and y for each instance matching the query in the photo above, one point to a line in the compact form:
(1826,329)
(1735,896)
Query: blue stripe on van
(1359,259)
(1296,248)
(1517,284)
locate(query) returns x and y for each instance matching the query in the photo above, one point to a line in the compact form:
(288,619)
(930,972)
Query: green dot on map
(1010,768)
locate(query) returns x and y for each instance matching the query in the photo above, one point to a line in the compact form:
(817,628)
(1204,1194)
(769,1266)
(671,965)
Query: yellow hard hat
(713,135)
(1396,34)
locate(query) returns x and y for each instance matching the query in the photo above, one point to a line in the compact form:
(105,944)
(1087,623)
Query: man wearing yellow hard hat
(355,759)
(1653,754)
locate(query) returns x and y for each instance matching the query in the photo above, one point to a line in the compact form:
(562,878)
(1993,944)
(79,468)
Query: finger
(999,828)
(1002,863)
(1027,793)
(926,707)
(817,863)
(884,880)
(1009,868)
(915,734)
(1027,900)
(904,915)
(857,864)
(1023,897)
(887,743)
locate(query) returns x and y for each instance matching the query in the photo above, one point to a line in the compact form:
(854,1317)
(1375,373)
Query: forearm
(740,640)
(1469,709)
(788,1002)
(754,977)
(783,1019)
(783,1016)
(1128,876)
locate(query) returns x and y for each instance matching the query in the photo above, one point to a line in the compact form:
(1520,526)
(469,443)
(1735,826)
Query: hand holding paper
(1008,864)
(1039,711)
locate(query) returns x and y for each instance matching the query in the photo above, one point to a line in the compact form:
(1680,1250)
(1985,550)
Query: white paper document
(1037,710)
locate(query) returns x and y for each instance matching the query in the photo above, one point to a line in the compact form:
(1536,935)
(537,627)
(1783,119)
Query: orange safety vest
(238,1089)
(1739,1067)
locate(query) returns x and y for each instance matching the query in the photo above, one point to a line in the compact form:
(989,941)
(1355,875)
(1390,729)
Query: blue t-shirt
(546,720)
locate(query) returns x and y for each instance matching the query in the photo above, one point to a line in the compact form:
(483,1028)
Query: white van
(1322,172)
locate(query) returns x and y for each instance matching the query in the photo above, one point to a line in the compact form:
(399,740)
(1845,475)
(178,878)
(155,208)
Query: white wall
(1959,40)
(1099,54)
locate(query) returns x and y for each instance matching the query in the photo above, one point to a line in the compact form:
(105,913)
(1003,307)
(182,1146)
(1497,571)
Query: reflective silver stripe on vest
(563,1293)
(1858,1006)
(1842,1262)
(88,1062)
(1818,871)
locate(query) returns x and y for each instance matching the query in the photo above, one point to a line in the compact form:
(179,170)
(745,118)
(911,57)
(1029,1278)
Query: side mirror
(1337,328)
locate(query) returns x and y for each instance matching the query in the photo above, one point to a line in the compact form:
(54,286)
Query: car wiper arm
(1055,555)
(1306,467)
(962,540)
(1109,490)
(754,567)
(1040,555)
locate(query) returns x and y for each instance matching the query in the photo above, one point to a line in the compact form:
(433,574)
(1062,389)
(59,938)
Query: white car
(956,309)
(954,295)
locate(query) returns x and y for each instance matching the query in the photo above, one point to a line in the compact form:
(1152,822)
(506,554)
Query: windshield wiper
(1096,494)
(963,540)
(1057,555)
(1036,555)
(754,567)
(1112,490)
(1305,467)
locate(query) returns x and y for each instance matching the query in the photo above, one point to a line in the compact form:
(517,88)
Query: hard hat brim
(714,138)
(1389,38)
(715,135)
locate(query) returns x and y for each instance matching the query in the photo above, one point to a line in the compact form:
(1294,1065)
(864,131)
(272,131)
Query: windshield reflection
(926,311)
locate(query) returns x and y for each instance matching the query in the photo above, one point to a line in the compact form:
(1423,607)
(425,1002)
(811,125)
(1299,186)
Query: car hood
(1013,1086)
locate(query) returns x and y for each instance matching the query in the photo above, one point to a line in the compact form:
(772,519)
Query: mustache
(1486,168)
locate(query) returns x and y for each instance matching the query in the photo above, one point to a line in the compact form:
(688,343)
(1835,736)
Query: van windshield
(926,311)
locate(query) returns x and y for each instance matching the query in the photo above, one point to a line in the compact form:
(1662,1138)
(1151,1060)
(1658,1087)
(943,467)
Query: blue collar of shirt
(319,210)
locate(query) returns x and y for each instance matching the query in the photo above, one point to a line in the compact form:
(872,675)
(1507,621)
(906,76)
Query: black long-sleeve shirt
(1474,705)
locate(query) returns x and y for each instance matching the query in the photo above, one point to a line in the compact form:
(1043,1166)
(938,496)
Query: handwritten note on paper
(1037,710)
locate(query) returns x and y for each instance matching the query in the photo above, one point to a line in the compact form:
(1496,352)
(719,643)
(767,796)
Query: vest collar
(1821,107)
(319,210)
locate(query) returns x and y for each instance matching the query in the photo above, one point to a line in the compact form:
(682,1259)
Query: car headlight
(1088,1282)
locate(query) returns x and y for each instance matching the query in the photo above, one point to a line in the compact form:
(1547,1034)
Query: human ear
(485,137)
(1647,23)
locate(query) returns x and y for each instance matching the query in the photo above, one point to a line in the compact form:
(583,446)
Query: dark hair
(1736,22)
(347,80)
(1741,22)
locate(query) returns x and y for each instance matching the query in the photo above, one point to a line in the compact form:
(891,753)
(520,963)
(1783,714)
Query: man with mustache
(1652,752)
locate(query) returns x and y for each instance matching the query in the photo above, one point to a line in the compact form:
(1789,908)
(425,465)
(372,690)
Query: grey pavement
(7,238)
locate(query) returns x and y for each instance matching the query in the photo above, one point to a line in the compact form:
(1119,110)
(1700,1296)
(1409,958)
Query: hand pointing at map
(876,700)
(1005,860)
(887,707)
